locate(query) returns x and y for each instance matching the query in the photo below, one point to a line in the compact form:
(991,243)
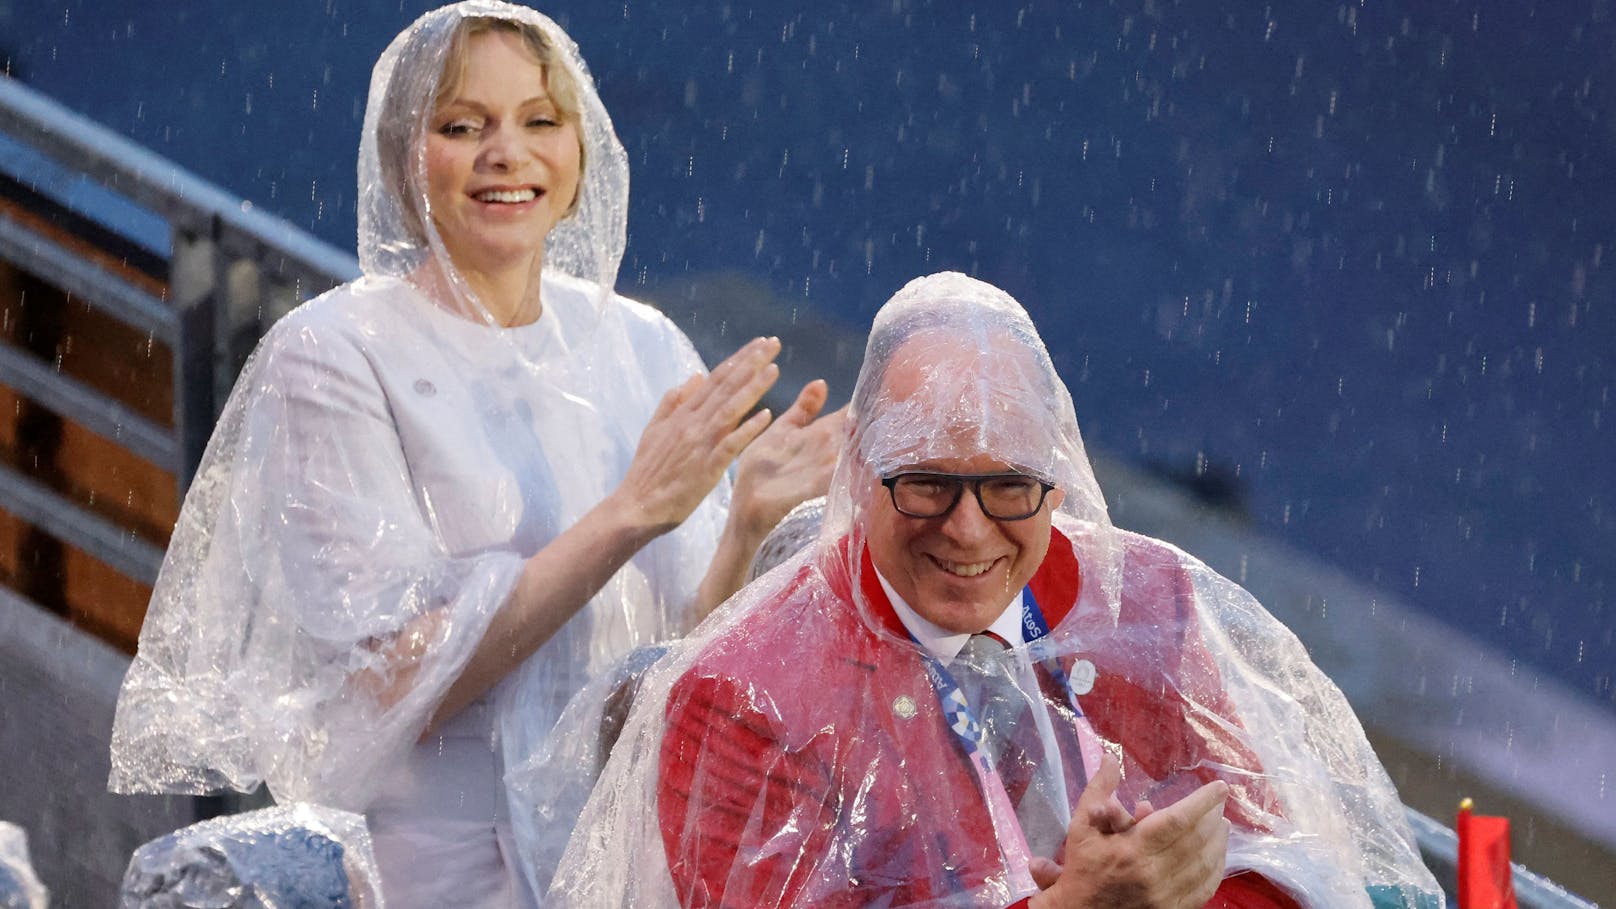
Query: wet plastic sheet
(20,887)
(796,751)
(286,857)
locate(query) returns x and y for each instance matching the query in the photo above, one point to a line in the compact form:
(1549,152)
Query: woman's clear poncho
(387,462)
(791,753)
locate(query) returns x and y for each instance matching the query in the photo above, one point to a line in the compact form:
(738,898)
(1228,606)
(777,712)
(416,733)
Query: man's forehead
(962,463)
(949,399)
(993,361)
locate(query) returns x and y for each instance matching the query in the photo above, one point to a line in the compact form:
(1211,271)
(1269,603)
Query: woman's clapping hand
(700,428)
(788,464)
(695,433)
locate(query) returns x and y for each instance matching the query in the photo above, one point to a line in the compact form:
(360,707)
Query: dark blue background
(1350,254)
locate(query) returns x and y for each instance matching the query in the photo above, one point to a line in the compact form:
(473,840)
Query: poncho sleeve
(307,618)
(1326,822)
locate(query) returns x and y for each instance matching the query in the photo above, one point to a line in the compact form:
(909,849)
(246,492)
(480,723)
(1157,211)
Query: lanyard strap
(967,728)
(1036,629)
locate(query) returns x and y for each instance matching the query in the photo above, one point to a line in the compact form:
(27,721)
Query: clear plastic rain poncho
(795,751)
(389,459)
(19,886)
(301,856)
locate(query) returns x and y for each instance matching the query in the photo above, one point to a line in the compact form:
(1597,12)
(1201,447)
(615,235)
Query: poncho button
(425,388)
(904,706)
(1082,677)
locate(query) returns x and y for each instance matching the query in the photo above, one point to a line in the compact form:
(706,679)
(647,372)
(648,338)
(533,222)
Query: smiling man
(974,691)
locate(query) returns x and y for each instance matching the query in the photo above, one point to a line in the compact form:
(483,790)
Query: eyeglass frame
(960,481)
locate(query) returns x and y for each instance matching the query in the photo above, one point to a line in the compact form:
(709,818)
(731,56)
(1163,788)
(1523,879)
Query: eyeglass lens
(1006,498)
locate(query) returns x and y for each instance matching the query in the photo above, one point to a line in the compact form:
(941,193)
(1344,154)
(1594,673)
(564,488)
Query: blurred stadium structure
(130,294)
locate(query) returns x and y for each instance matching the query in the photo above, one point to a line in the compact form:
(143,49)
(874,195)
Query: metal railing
(106,224)
(232,270)
(1439,847)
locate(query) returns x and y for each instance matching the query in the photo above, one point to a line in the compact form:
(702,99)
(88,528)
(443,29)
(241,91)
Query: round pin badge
(904,706)
(1082,676)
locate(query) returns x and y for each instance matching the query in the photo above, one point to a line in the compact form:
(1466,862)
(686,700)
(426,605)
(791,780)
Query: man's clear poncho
(792,753)
(387,462)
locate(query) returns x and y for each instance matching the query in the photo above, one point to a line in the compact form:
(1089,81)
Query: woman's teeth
(507,196)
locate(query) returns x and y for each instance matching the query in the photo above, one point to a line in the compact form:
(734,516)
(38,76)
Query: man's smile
(963,569)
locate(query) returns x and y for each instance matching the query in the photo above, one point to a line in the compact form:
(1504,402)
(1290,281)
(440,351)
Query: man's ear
(1056,497)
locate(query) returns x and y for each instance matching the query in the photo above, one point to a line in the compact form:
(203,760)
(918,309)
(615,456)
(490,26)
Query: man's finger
(1114,819)
(1045,872)
(1103,784)
(1213,827)
(1165,825)
(1098,807)
(1200,860)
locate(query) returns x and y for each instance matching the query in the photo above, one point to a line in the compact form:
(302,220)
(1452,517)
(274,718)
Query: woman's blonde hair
(400,126)
(558,79)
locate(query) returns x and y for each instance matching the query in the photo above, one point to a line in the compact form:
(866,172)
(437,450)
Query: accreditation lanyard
(1035,628)
(967,729)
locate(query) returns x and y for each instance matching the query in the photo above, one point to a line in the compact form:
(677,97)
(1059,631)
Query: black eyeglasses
(1003,496)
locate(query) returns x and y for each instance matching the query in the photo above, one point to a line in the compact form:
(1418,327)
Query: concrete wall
(57,690)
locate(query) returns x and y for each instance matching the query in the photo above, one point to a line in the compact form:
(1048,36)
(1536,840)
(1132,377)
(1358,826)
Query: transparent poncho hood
(397,234)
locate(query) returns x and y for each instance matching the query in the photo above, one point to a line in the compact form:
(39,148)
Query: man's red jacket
(807,761)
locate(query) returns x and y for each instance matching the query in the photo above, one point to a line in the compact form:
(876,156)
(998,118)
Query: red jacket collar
(1056,584)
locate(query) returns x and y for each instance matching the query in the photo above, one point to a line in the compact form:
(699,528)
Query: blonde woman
(445,495)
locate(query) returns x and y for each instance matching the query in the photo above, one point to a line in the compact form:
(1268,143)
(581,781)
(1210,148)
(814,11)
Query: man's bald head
(955,371)
(951,387)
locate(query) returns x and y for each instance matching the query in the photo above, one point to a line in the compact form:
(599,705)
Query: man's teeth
(509,196)
(965,569)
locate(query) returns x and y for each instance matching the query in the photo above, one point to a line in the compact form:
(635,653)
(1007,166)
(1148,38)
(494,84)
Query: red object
(775,791)
(1485,880)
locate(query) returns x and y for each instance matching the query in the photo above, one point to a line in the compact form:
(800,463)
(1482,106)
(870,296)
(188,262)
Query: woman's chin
(497,254)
